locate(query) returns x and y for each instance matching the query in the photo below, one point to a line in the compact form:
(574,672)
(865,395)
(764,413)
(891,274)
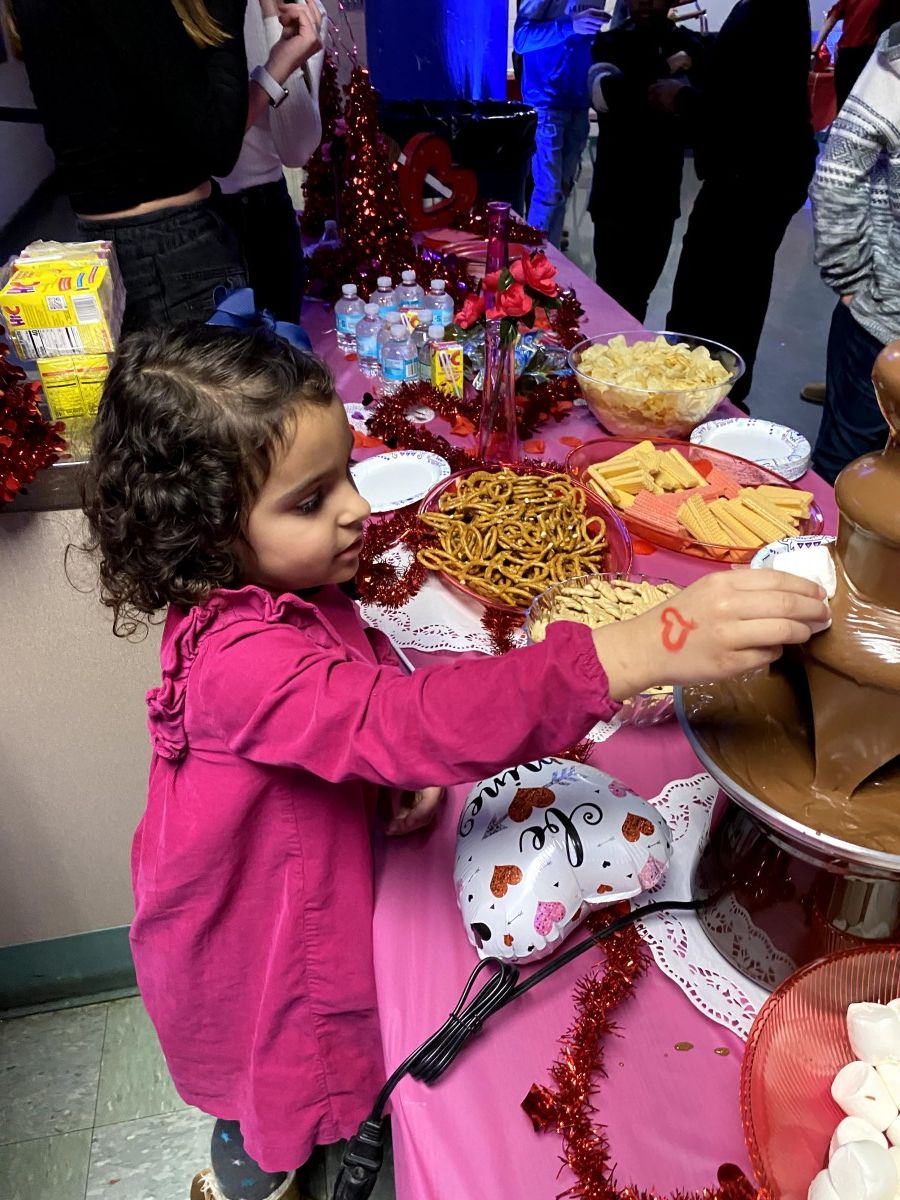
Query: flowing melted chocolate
(818,736)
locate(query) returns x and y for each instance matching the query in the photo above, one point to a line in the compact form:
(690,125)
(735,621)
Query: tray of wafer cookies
(693,499)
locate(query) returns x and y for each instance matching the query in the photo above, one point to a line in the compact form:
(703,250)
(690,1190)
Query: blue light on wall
(438,49)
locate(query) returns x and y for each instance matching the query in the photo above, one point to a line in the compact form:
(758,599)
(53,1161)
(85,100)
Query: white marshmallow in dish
(895,1005)
(863,1171)
(890,1077)
(854,1129)
(822,1188)
(859,1090)
(894,1152)
(892,1133)
(874,1031)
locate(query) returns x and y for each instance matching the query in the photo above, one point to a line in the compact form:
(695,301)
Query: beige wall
(73,745)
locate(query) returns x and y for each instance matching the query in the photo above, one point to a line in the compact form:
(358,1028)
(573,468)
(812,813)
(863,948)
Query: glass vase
(498,437)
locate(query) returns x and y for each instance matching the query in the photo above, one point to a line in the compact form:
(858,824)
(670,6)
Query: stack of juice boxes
(62,305)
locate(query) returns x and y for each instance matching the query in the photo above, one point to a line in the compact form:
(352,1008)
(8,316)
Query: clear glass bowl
(797,1045)
(647,708)
(642,412)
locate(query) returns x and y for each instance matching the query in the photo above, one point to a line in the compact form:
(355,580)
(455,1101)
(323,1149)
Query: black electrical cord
(363,1156)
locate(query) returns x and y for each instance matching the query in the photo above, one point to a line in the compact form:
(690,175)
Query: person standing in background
(864,22)
(636,193)
(255,200)
(554,39)
(755,152)
(856,199)
(161,105)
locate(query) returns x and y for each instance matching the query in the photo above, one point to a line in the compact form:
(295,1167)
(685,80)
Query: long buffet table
(672,1114)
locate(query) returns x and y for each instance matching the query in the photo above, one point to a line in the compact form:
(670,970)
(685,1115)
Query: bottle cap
(331,226)
(349,289)
(439,285)
(371,310)
(385,281)
(409,277)
(393,318)
(435,333)
(398,332)
(424,316)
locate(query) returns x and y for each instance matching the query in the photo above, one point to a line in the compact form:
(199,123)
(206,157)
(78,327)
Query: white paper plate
(400,477)
(776,447)
(768,554)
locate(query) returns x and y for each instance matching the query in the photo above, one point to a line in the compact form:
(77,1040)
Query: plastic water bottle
(348,313)
(440,301)
(409,295)
(419,333)
(384,297)
(367,331)
(400,363)
(426,353)
(392,319)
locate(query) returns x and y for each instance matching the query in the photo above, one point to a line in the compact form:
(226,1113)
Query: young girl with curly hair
(220,491)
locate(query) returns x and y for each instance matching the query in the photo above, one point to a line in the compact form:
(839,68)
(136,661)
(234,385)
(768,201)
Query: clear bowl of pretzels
(596,600)
(502,535)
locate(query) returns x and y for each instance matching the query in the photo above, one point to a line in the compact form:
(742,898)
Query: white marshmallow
(890,1077)
(895,1005)
(874,1031)
(853,1129)
(858,1089)
(892,1133)
(813,563)
(863,1171)
(822,1188)
(894,1152)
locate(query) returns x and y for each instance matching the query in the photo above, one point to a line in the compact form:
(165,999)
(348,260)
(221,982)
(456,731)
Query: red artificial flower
(537,273)
(471,311)
(511,302)
(541,320)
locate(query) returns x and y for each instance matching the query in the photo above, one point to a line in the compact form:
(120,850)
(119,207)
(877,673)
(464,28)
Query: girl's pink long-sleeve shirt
(275,724)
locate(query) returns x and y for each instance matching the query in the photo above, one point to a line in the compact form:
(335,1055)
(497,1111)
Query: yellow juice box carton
(56,308)
(447,367)
(73,384)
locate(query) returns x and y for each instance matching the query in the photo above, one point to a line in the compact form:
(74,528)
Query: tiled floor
(87,1112)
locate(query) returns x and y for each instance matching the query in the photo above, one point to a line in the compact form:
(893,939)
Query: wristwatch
(276,91)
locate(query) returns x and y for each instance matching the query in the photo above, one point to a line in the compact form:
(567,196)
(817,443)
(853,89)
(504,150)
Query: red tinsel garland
(568,1107)
(27,442)
(519,231)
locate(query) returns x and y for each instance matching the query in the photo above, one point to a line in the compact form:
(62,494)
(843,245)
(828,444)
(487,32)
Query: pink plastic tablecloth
(672,1116)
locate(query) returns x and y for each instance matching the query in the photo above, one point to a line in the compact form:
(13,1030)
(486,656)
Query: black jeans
(852,422)
(731,241)
(264,220)
(172,261)
(633,222)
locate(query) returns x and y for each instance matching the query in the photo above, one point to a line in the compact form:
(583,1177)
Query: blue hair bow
(238,311)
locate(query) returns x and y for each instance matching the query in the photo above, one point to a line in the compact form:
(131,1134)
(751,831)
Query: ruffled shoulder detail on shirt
(185,633)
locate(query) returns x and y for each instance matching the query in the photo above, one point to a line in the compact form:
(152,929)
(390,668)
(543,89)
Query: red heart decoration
(427,154)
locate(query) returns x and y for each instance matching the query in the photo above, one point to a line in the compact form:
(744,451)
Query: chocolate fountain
(807,859)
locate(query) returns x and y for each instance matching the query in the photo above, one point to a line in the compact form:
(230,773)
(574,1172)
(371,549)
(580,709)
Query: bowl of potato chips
(653,384)
(596,600)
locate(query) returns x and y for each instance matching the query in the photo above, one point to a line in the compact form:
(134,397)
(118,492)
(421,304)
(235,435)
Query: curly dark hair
(189,423)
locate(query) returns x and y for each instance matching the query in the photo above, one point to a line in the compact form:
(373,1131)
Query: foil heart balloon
(542,844)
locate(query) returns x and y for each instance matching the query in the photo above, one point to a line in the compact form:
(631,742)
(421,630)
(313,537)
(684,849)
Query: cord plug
(361,1162)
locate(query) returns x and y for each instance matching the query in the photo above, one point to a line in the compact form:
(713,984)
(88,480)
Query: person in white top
(255,199)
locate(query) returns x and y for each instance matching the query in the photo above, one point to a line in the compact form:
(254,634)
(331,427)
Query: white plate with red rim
(400,477)
(775,447)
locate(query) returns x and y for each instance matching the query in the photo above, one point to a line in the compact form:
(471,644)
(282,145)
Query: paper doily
(677,939)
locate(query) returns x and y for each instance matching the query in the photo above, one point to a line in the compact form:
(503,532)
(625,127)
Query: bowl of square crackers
(641,383)
(596,600)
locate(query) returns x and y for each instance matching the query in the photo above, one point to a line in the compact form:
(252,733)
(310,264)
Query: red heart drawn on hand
(427,154)
(675,629)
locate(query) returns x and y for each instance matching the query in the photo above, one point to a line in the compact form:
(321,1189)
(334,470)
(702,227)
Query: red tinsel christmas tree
(27,441)
(323,171)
